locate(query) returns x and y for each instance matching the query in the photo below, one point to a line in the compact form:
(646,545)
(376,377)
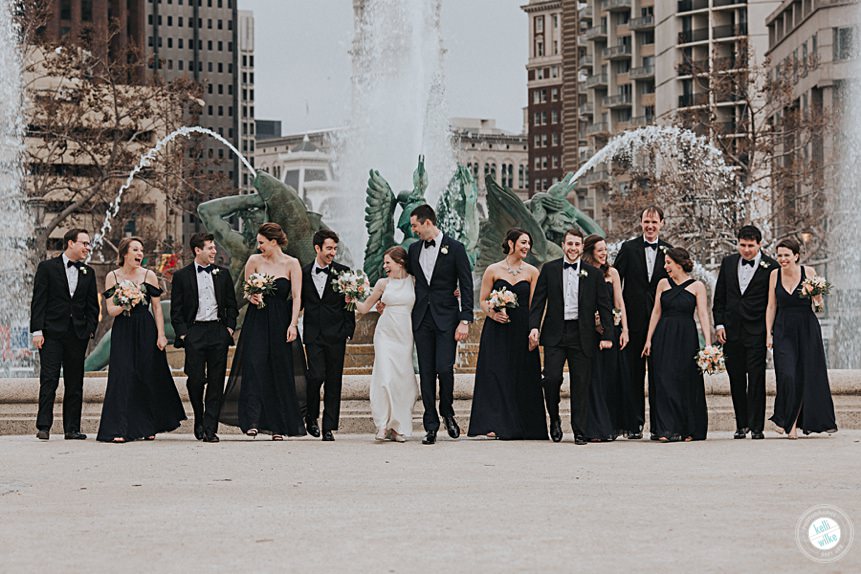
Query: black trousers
(579,370)
(325,371)
(633,397)
(206,347)
(66,352)
(745,365)
(437,351)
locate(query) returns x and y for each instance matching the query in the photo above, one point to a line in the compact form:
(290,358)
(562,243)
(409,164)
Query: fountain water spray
(145,160)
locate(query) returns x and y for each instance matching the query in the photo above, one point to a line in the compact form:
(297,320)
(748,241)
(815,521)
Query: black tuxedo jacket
(638,292)
(452,271)
(327,320)
(592,296)
(184,299)
(53,311)
(743,316)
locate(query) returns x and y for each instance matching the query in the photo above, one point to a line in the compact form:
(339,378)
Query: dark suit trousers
(580,371)
(633,398)
(745,365)
(66,351)
(437,351)
(325,371)
(206,347)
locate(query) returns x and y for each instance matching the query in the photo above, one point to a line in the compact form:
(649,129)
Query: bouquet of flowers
(127,294)
(258,283)
(813,287)
(710,360)
(617,317)
(502,299)
(354,285)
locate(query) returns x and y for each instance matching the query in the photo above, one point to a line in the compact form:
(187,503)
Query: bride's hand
(292,333)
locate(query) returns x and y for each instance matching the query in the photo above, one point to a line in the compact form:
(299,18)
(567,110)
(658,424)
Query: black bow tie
(208,268)
(652,245)
(322,270)
(748,262)
(430,243)
(566,265)
(77,264)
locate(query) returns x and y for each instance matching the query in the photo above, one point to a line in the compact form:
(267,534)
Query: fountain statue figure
(458,211)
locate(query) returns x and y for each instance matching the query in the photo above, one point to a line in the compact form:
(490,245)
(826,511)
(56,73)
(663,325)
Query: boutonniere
(444,249)
(583,273)
(764,265)
(216,271)
(663,249)
(83,270)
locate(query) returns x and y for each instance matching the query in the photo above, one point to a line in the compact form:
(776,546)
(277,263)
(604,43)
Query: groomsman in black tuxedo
(440,266)
(640,263)
(64,314)
(203,312)
(740,300)
(570,292)
(327,327)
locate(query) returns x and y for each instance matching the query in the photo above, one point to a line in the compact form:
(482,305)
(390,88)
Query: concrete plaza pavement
(177,505)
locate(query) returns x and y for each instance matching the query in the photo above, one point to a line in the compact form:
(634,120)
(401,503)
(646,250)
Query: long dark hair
(589,253)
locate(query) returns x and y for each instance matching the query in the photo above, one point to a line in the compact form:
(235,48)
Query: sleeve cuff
(719,327)
(36,333)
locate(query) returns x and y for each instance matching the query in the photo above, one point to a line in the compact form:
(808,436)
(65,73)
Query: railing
(615,4)
(722,3)
(596,175)
(687,100)
(688,36)
(688,5)
(729,31)
(595,32)
(616,101)
(690,67)
(595,129)
(641,23)
(596,80)
(640,121)
(642,72)
(616,51)
(586,61)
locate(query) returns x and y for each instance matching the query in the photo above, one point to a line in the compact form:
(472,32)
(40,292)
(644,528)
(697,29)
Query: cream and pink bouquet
(127,294)
(258,283)
(710,360)
(502,299)
(814,287)
(354,285)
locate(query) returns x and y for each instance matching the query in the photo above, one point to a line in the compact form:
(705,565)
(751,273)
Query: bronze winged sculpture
(458,211)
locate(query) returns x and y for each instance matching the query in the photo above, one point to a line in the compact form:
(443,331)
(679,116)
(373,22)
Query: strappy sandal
(151,437)
(252,433)
(119,440)
(277,437)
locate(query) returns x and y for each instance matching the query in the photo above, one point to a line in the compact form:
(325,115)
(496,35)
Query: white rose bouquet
(258,283)
(354,285)
(502,299)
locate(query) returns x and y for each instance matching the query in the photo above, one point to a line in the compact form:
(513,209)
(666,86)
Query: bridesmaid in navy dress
(141,399)
(803,395)
(262,394)
(508,401)
(672,345)
(609,367)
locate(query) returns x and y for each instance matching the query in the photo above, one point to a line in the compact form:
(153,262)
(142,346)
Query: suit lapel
(308,277)
(733,275)
(216,286)
(63,278)
(417,265)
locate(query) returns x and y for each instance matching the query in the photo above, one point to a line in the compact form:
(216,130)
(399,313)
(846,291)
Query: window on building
(539,48)
(537,142)
(170,42)
(539,24)
(87,10)
(554,117)
(844,43)
(554,71)
(170,20)
(65,9)
(554,94)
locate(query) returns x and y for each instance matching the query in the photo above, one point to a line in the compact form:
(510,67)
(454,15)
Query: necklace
(514,272)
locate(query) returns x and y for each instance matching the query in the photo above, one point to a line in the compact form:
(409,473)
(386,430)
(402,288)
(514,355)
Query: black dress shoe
(653,436)
(430,437)
(312,428)
(211,437)
(199,433)
(757,435)
(328,436)
(75,435)
(556,430)
(579,440)
(635,436)
(451,427)
(43,435)
(740,433)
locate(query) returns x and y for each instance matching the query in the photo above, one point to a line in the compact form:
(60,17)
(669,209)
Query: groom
(440,266)
(64,314)
(571,292)
(203,312)
(740,300)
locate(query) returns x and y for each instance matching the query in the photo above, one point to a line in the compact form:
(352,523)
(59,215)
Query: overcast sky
(302,68)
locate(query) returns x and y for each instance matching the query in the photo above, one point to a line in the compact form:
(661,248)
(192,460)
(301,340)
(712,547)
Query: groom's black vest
(452,270)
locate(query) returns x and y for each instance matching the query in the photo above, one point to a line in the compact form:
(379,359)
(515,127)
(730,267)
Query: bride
(393,382)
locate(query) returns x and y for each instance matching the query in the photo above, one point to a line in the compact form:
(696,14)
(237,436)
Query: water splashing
(145,160)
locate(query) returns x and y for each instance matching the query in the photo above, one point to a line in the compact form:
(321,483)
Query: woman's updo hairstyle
(397,254)
(273,231)
(681,257)
(513,235)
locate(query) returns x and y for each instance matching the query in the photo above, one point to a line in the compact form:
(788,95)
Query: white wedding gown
(394,389)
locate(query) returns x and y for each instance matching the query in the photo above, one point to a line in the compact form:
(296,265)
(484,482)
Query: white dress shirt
(319,279)
(746,272)
(651,258)
(428,256)
(207,305)
(71,275)
(571,290)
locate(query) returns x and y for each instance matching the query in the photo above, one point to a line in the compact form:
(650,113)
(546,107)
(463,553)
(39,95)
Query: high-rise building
(544,85)
(246,94)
